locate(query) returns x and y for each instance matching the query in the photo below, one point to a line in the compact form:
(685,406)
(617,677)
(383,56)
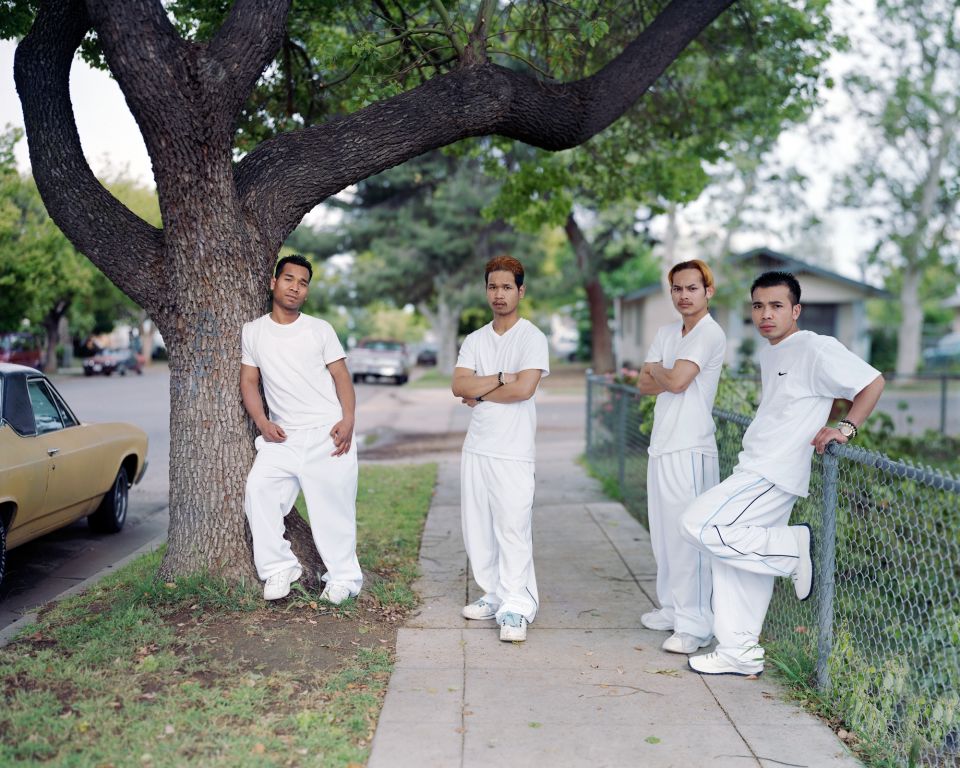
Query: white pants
(742,523)
(329,485)
(684,585)
(496,513)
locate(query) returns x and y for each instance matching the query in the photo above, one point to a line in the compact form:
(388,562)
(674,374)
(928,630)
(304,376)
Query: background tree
(41,274)
(754,72)
(225,219)
(45,281)
(419,237)
(905,179)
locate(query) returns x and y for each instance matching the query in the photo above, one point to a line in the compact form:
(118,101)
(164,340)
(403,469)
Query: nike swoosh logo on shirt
(782,373)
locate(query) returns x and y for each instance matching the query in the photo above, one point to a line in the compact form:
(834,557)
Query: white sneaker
(802,576)
(335,593)
(713,664)
(480,610)
(278,585)
(680,642)
(513,628)
(656,620)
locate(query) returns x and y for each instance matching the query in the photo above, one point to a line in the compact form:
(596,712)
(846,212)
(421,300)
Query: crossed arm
(516,386)
(654,378)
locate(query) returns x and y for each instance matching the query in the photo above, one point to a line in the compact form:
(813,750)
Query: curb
(10,633)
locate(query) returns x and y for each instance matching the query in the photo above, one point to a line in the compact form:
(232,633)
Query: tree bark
(911,323)
(205,273)
(51,327)
(597,300)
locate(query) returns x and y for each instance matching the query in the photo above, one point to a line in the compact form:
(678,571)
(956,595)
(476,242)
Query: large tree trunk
(911,323)
(597,300)
(219,267)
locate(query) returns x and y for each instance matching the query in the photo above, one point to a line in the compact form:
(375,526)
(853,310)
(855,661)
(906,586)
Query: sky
(112,144)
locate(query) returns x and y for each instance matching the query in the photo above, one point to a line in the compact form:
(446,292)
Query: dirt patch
(296,639)
(414,445)
(297,635)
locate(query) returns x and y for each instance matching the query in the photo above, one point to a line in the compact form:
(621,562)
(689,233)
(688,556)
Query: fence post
(943,404)
(826,567)
(589,411)
(621,438)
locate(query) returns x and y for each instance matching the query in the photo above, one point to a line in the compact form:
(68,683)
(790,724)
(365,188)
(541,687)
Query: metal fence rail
(881,635)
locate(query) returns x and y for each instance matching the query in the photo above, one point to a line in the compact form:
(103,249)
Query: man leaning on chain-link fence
(742,522)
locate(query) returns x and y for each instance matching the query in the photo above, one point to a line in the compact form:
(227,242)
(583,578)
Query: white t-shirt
(504,430)
(801,377)
(684,421)
(293,361)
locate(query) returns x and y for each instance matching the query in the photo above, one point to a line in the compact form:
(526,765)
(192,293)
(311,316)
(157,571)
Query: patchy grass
(141,672)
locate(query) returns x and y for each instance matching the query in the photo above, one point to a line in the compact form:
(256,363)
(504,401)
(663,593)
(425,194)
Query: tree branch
(286,176)
(137,37)
(243,46)
(93,220)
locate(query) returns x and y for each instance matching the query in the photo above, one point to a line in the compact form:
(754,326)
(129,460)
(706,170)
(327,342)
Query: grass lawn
(431,379)
(197,673)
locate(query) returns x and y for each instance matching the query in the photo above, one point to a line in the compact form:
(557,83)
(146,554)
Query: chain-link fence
(881,635)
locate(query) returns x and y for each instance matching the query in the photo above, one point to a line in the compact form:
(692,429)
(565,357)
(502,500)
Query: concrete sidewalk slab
(591,686)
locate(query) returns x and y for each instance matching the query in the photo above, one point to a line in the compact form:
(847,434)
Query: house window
(819,318)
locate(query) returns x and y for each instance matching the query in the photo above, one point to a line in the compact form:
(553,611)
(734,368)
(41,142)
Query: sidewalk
(590,687)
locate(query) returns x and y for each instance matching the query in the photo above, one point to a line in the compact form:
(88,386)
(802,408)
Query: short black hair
(297,259)
(771,279)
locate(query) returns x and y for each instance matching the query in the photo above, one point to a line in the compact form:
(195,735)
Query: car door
(24,469)
(71,478)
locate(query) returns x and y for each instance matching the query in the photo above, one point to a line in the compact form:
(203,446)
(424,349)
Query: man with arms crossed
(497,374)
(742,523)
(682,369)
(305,443)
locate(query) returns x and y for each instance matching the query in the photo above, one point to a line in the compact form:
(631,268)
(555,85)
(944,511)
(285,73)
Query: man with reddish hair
(497,374)
(682,369)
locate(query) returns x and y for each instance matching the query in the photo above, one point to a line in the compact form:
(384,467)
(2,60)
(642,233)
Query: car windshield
(383,346)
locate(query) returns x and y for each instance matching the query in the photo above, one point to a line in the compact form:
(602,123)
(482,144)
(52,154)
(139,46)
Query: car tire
(88,372)
(112,512)
(401,380)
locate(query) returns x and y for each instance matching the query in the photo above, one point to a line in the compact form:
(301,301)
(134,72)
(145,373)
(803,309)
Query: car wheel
(401,380)
(112,512)
(88,372)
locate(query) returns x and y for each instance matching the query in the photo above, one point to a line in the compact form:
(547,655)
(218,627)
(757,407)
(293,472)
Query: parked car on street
(944,354)
(54,469)
(427,356)
(20,348)
(113,361)
(379,359)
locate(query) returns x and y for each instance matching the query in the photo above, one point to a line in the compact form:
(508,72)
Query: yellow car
(53,469)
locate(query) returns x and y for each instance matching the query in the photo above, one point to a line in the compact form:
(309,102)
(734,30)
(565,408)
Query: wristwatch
(847,428)
(500,381)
